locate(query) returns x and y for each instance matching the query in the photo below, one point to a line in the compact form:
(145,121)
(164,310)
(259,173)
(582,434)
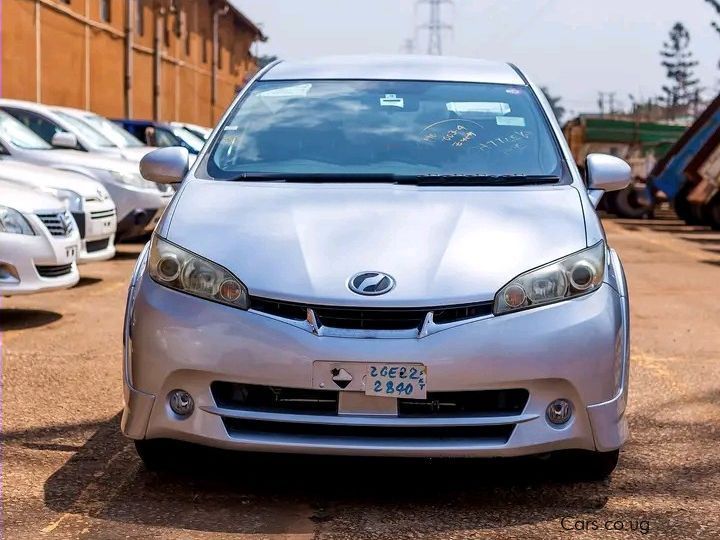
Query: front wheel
(158,454)
(588,465)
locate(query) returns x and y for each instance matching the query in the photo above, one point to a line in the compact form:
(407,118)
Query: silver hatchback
(388,256)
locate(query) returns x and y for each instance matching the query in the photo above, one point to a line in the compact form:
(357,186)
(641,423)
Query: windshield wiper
(401,179)
(477,180)
(315,177)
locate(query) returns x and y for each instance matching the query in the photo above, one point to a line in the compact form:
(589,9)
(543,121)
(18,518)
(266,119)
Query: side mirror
(64,139)
(605,173)
(165,165)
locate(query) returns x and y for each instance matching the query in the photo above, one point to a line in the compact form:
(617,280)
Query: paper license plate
(396,380)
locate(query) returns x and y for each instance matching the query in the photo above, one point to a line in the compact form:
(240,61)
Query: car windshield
(113,132)
(193,142)
(16,133)
(394,128)
(94,138)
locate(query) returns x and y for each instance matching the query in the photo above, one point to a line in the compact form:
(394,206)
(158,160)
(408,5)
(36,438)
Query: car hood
(136,153)
(46,177)
(27,200)
(85,160)
(302,242)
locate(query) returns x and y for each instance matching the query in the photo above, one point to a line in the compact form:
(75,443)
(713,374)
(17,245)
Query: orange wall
(82,59)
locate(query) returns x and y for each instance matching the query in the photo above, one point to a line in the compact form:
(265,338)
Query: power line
(435,25)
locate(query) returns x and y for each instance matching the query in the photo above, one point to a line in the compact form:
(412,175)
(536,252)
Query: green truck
(641,144)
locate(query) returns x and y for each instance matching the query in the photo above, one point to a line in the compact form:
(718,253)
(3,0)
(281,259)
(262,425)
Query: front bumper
(575,350)
(30,255)
(97,226)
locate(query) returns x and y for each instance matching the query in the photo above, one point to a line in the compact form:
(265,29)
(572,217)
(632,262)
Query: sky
(576,48)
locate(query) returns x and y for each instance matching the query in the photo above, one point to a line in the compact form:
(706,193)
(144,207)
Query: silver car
(386,256)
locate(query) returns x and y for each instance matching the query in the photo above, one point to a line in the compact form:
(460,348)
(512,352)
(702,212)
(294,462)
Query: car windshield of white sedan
(386,127)
(95,138)
(17,134)
(110,130)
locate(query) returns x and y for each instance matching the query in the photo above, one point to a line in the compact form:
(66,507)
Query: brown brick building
(163,59)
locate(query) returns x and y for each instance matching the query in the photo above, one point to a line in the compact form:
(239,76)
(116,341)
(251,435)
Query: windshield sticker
(391,100)
(516,121)
(487,107)
(297,90)
(513,91)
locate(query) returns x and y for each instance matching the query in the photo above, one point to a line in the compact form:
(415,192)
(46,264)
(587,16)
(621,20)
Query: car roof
(142,122)
(397,67)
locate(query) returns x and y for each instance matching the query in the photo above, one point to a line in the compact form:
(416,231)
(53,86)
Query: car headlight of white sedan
(72,201)
(12,221)
(182,270)
(571,276)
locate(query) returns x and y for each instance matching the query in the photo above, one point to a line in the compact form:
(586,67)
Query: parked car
(138,203)
(162,134)
(38,242)
(132,147)
(62,129)
(89,202)
(401,260)
(199,131)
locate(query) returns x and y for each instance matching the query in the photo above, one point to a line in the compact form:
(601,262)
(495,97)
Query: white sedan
(38,242)
(88,201)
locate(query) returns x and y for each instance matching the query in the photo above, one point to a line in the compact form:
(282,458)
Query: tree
(678,61)
(557,108)
(264,60)
(716,26)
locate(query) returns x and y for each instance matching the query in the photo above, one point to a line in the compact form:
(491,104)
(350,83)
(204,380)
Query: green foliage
(555,103)
(678,61)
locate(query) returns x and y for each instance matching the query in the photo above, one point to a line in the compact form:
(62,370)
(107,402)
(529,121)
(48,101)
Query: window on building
(105,10)
(166,30)
(204,49)
(139,18)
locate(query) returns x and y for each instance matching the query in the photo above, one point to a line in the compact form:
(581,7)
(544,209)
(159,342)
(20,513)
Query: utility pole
(435,25)
(601,103)
(611,96)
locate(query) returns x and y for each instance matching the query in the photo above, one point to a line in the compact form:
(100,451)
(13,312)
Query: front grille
(54,271)
(100,214)
(499,434)
(252,397)
(357,318)
(96,245)
(474,403)
(59,224)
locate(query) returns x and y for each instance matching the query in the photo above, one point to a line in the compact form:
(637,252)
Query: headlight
(71,200)
(574,275)
(184,271)
(131,179)
(12,221)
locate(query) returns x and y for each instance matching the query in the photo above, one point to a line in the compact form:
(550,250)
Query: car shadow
(22,319)
(86,281)
(223,492)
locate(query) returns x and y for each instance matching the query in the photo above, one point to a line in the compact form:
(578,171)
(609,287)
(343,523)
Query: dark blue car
(162,134)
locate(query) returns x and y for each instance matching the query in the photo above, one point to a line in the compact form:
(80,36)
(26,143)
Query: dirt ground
(67,472)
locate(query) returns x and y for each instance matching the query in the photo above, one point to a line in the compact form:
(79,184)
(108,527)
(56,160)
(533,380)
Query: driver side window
(41,126)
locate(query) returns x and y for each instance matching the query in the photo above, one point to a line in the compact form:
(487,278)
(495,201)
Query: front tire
(157,454)
(589,466)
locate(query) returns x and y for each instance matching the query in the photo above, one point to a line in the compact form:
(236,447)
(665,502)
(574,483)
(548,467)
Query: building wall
(61,52)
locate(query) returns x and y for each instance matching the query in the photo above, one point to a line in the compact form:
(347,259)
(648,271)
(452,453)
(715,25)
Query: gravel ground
(68,473)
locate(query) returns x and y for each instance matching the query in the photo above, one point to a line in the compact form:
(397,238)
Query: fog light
(181,402)
(559,412)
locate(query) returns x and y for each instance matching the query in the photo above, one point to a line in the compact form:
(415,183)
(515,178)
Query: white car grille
(59,224)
